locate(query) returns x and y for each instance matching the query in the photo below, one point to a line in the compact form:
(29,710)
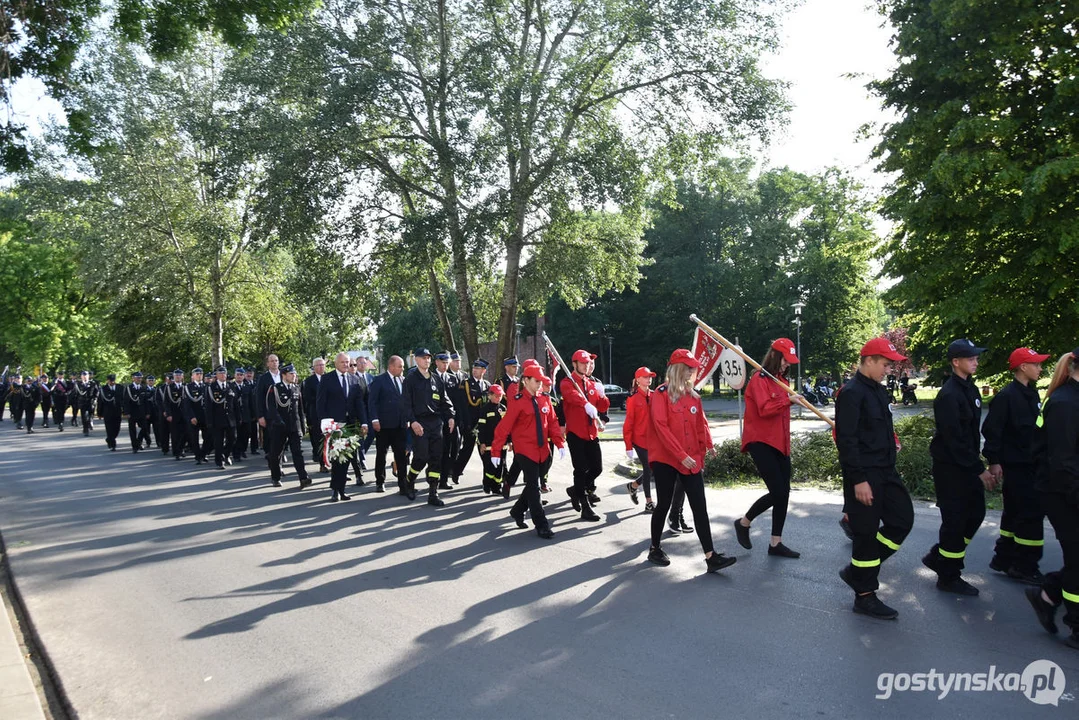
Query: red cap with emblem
(883,347)
(496,390)
(530,363)
(684,357)
(583,356)
(643,372)
(1024,355)
(786,348)
(533,371)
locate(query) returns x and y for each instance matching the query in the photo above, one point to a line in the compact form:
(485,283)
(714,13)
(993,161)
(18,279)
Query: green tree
(513,124)
(985,156)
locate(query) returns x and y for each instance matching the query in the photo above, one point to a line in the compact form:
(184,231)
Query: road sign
(732,368)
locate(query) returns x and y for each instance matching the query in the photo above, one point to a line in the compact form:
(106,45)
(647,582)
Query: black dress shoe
(444,485)
(1046,612)
(1035,578)
(519,519)
(781,550)
(742,533)
(276,483)
(593,498)
(360,481)
(334,498)
(872,606)
(545,533)
(718,561)
(573,498)
(345,497)
(219,466)
(434,499)
(379,488)
(588,515)
(228,461)
(304,482)
(410,491)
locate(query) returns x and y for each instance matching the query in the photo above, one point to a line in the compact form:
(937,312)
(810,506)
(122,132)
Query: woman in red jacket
(766,435)
(680,438)
(636,431)
(531,422)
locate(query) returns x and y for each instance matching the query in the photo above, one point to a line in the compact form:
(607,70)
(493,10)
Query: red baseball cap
(685,357)
(583,356)
(643,372)
(883,347)
(495,389)
(530,363)
(786,347)
(533,371)
(1024,355)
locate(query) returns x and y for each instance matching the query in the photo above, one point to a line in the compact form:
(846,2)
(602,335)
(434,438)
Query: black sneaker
(872,606)
(781,550)
(1046,612)
(959,586)
(742,533)
(718,561)
(686,527)
(998,564)
(672,523)
(1035,578)
(657,557)
(649,506)
(844,523)
(632,493)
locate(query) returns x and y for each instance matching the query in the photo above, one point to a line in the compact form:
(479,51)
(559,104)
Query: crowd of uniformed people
(427,424)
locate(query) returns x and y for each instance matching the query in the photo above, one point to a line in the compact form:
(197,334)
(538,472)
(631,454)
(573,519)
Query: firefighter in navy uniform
(174,413)
(1009,449)
(451,446)
(490,414)
(220,404)
(878,505)
(134,402)
(162,427)
(251,409)
(426,407)
(511,368)
(285,425)
(1056,449)
(14,400)
(111,409)
(61,388)
(31,398)
(149,404)
(87,393)
(530,420)
(194,407)
(471,395)
(449,382)
(959,477)
(45,393)
(239,446)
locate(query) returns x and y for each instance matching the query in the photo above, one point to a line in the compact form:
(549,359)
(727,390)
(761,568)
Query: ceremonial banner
(707,352)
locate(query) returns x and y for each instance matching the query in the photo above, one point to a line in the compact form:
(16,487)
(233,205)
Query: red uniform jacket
(678,430)
(637,430)
(768,414)
(577,421)
(520,422)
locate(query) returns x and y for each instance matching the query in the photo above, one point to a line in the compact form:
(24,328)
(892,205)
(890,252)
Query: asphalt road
(164,590)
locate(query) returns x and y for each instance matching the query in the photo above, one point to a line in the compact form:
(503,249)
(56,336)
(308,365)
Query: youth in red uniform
(637,432)
(583,403)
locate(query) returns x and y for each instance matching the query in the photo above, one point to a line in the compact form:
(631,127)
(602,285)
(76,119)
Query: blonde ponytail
(1061,373)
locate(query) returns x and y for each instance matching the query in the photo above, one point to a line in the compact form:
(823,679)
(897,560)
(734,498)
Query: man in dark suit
(266,380)
(388,422)
(355,368)
(309,393)
(340,400)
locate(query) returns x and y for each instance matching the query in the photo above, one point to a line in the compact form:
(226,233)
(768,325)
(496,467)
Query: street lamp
(798,344)
(517,342)
(610,360)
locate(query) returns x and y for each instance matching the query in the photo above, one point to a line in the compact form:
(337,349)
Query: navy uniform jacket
(239,412)
(1009,425)
(864,432)
(219,402)
(173,404)
(194,403)
(1056,443)
(425,399)
(284,407)
(31,396)
(112,399)
(958,413)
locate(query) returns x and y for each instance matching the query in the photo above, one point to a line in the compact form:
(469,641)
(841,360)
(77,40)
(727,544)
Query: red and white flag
(707,352)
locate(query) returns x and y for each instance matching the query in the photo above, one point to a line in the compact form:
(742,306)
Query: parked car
(617,395)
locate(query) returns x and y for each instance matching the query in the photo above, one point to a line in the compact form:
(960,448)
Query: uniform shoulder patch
(518,396)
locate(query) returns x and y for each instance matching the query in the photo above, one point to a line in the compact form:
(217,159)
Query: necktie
(397,384)
(539,422)
(344,385)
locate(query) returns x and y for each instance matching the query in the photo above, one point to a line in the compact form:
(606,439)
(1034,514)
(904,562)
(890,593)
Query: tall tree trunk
(507,316)
(440,308)
(466,314)
(217,328)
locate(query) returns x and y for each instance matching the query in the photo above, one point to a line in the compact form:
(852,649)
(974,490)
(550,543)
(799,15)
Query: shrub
(914,426)
(725,463)
(814,459)
(915,466)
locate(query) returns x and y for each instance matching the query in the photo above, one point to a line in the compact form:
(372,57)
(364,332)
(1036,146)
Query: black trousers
(162,436)
(239,445)
(46,409)
(646,474)
(1022,524)
(197,439)
(587,462)
(1063,585)
(75,410)
(464,453)
(667,478)
(253,429)
(179,435)
(59,409)
(451,446)
(137,430)
(392,439)
(775,469)
(961,499)
(879,529)
(16,411)
(224,439)
(279,437)
(87,415)
(492,476)
(315,432)
(530,496)
(112,429)
(29,415)
(427,452)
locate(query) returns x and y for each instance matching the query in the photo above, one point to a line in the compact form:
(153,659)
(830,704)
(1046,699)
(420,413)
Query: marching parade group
(432,419)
